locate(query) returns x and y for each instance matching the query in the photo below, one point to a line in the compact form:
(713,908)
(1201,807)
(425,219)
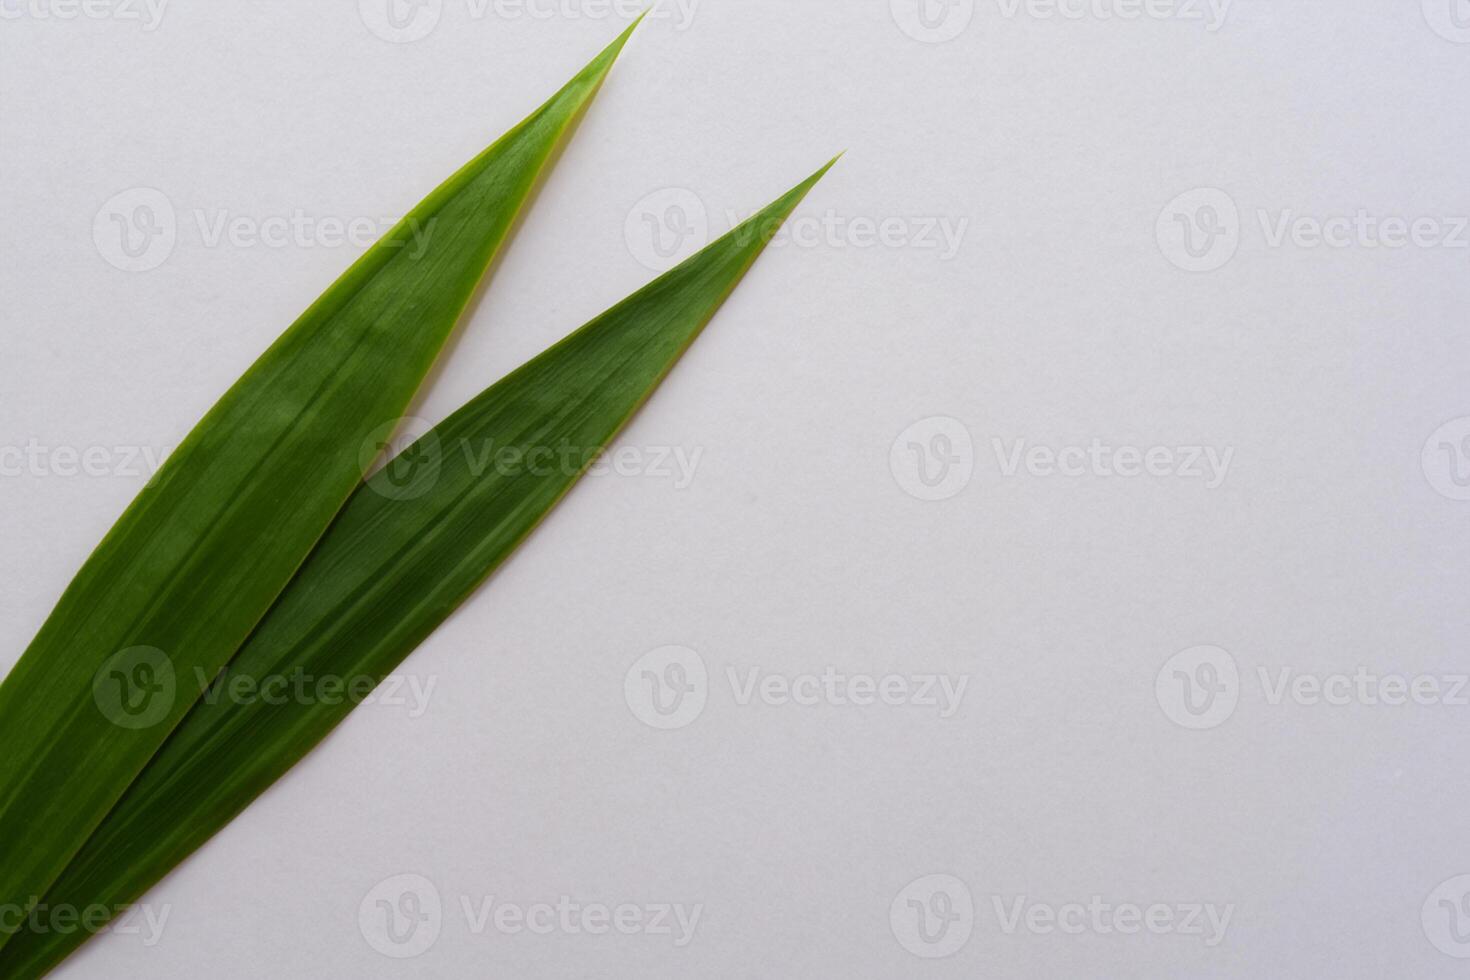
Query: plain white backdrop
(1102,429)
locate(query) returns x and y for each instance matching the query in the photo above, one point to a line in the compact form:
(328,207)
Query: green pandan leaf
(410,546)
(200,556)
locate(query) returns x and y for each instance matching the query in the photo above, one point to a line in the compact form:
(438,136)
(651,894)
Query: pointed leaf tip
(769,221)
(801,189)
(822,172)
(460,524)
(599,66)
(617,46)
(355,358)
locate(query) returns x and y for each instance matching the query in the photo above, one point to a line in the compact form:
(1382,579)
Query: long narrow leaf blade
(409,547)
(200,556)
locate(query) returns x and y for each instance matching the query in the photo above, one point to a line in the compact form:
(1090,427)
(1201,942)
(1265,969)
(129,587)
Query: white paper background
(1335,541)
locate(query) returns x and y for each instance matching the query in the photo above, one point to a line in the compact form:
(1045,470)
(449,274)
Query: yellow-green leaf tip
(828,166)
(793,197)
(622,40)
(599,67)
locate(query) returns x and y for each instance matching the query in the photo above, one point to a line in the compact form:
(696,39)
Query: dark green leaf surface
(196,561)
(410,546)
